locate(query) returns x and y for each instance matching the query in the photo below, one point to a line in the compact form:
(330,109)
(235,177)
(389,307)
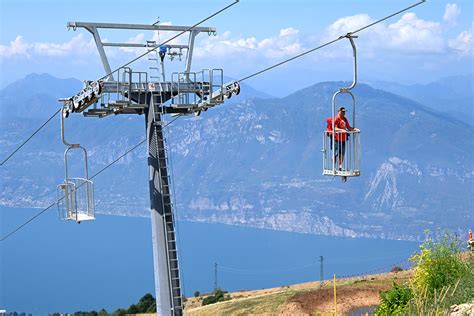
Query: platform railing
(341,154)
(76,200)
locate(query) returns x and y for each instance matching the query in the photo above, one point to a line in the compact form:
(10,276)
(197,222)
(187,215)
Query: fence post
(335,299)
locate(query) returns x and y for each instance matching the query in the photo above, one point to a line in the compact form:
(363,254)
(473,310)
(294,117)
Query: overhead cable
(92,177)
(28,221)
(31,136)
(330,42)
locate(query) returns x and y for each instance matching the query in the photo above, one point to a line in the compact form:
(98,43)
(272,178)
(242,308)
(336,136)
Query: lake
(54,266)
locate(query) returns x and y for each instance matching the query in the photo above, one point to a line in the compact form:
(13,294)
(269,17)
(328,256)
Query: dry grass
(281,300)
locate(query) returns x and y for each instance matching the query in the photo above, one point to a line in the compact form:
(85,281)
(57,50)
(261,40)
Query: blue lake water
(53,266)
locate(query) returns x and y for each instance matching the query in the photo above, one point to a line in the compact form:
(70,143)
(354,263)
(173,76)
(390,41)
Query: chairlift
(341,150)
(75,194)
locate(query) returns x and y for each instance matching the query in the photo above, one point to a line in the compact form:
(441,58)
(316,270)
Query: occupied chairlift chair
(351,163)
(75,194)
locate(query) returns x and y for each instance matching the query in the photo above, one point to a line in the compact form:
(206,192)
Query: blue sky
(432,41)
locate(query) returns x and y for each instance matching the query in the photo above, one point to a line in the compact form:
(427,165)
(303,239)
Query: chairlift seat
(76,200)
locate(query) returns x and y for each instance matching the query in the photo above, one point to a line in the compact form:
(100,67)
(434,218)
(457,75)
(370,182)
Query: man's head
(341,111)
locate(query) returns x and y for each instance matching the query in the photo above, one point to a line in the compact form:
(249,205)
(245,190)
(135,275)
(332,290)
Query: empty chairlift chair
(75,194)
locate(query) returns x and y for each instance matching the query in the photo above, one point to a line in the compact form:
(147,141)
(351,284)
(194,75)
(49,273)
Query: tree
(152,308)
(120,312)
(103,312)
(133,309)
(197,293)
(145,302)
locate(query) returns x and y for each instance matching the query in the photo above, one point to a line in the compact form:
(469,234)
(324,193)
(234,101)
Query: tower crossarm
(150,27)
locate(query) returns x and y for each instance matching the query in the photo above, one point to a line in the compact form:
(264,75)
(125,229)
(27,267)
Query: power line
(92,177)
(31,136)
(330,42)
(294,268)
(172,38)
(259,272)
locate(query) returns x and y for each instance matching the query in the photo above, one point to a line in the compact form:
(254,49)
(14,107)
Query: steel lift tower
(128,91)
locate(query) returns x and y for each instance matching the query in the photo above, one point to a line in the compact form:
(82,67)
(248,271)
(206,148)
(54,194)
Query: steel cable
(330,42)
(31,136)
(92,177)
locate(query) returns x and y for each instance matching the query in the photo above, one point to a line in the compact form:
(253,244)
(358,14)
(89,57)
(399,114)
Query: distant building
(3,312)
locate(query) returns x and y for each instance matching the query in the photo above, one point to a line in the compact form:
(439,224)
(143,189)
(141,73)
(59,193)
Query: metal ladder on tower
(169,222)
(154,59)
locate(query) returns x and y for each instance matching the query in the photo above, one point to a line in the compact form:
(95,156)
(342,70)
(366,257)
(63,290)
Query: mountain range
(451,95)
(256,161)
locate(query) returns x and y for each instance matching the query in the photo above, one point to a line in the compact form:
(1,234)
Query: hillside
(257,163)
(354,296)
(450,95)
(303,299)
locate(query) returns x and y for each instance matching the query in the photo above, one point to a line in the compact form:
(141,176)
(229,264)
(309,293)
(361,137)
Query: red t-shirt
(342,123)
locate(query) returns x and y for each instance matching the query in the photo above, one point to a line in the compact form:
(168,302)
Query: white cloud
(78,45)
(286,43)
(409,34)
(416,35)
(20,48)
(451,13)
(288,32)
(138,39)
(463,43)
(347,24)
(17,47)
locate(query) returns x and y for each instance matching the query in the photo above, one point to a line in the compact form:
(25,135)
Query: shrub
(209,300)
(393,301)
(396,269)
(218,296)
(438,264)
(197,293)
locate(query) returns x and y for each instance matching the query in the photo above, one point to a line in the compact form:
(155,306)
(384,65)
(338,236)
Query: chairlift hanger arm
(351,37)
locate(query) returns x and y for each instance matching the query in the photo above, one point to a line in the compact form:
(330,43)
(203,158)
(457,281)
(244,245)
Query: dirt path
(348,298)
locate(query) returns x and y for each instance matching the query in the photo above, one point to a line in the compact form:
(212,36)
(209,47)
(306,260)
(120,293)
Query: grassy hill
(300,299)
(313,299)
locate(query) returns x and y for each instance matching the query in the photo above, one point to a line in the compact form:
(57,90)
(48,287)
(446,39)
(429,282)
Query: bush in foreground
(394,301)
(441,278)
(438,264)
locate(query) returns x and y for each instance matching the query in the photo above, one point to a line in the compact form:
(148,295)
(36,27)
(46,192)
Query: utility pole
(321,275)
(215,276)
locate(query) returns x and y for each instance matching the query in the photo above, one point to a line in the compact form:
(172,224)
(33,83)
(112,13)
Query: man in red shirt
(341,126)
